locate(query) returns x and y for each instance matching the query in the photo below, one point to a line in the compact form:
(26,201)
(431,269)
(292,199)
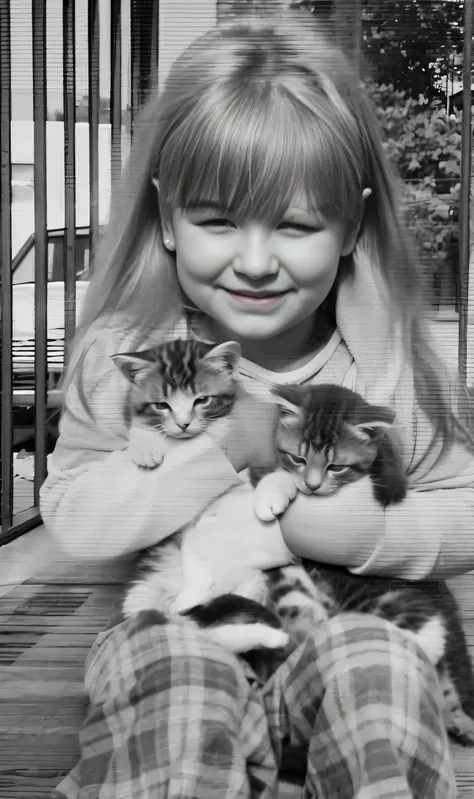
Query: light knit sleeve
(95,501)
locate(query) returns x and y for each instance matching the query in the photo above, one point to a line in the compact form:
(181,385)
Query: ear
(131,363)
(288,402)
(226,354)
(352,235)
(378,420)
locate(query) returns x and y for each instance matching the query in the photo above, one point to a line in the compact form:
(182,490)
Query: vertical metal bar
(464,224)
(94,107)
(144,51)
(5,267)
(135,60)
(155,44)
(69,91)
(41,239)
(115,90)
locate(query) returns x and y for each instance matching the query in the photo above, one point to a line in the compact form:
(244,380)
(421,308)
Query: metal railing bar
(155,45)
(135,61)
(6,448)
(69,89)
(94,109)
(115,91)
(24,521)
(465,198)
(40,238)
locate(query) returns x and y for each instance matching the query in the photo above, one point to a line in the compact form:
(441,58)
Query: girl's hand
(246,435)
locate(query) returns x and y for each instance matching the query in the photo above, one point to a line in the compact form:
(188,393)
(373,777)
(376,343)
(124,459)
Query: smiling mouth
(257,296)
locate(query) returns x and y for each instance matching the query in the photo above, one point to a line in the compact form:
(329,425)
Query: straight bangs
(254,150)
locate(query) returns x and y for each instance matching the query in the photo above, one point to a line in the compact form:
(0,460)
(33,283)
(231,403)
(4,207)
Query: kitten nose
(183,425)
(313,480)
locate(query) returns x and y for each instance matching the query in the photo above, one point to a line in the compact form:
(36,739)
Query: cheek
(199,256)
(318,261)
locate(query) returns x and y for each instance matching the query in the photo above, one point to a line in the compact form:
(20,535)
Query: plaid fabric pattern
(171,714)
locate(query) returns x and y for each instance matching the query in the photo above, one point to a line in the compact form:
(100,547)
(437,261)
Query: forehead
(259,158)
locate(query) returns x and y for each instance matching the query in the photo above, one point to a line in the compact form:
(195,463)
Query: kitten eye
(202,400)
(298,460)
(160,406)
(336,467)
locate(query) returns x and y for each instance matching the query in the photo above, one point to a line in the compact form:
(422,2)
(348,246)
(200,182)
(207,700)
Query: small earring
(168,244)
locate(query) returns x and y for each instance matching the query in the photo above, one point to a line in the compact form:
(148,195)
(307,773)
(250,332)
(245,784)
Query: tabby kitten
(178,390)
(328,436)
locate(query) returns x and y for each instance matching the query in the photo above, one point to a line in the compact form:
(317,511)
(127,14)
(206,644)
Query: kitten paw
(273,495)
(146,448)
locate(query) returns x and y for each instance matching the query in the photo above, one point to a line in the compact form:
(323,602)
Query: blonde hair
(249,114)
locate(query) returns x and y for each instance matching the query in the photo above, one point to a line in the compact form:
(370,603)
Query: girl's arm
(429,534)
(95,501)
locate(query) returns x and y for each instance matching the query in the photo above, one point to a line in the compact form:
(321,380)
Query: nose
(183,425)
(255,259)
(313,479)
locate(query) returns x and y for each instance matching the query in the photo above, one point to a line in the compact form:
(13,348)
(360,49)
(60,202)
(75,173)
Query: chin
(255,328)
(183,434)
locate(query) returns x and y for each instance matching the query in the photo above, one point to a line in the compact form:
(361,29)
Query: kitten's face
(327,436)
(180,387)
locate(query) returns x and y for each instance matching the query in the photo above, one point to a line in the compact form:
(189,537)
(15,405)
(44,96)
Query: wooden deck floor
(47,626)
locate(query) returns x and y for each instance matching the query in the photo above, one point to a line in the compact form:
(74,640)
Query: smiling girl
(258,205)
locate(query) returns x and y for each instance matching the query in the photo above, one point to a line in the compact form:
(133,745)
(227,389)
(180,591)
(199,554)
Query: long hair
(250,113)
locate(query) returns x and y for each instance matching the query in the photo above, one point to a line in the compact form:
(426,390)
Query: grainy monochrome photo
(237,399)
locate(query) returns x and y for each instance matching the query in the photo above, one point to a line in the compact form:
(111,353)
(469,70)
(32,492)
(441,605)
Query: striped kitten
(178,390)
(326,437)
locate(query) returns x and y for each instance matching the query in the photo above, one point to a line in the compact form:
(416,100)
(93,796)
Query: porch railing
(143,71)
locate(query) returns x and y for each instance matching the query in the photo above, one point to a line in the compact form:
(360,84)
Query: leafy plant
(413,44)
(424,144)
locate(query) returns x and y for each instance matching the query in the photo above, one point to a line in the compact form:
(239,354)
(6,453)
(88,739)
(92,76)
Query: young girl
(258,205)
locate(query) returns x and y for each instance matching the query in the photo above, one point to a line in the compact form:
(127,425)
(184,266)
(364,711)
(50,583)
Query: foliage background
(412,58)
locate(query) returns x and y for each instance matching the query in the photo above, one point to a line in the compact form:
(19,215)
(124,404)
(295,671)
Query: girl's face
(254,280)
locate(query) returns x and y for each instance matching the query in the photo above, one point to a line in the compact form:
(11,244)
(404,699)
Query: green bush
(424,143)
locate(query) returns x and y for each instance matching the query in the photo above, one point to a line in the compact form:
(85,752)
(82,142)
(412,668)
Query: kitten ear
(378,420)
(286,400)
(131,363)
(226,354)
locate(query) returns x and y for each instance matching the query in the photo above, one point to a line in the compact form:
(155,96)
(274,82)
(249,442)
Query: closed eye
(219,223)
(298,460)
(298,228)
(337,467)
(203,400)
(160,406)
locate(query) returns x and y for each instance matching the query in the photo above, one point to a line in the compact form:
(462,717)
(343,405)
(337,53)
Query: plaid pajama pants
(173,716)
